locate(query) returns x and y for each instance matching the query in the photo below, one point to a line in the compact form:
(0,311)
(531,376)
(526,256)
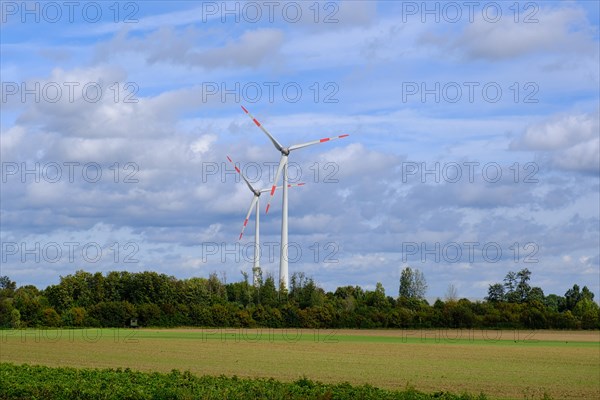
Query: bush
(30,382)
(74,317)
(51,318)
(114,314)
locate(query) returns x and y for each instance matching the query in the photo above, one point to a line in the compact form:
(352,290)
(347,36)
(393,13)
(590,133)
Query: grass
(512,365)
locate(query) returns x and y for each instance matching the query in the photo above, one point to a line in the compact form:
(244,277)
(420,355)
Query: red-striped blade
(242,175)
(299,146)
(277,145)
(282,162)
(279,187)
(252,204)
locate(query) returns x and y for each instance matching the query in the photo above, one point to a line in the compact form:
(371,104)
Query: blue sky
(473,150)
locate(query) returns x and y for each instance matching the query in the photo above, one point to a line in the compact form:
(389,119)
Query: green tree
(420,285)
(554,302)
(406,279)
(194,291)
(79,285)
(587,312)
(30,303)
(240,292)
(220,315)
(305,292)
(572,297)
(50,317)
(113,313)
(516,285)
(495,293)
(217,290)
(377,298)
(96,286)
(7,287)
(258,283)
(523,289)
(412,284)
(6,309)
(536,294)
(268,292)
(533,316)
(510,285)
(74,317)
(113,286)
(15,318)
(200,315)
(59,297)
(587,294)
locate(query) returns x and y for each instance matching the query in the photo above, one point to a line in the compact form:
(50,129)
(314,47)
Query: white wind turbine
(255,203)
(285,152)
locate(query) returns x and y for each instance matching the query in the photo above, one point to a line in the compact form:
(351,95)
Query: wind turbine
(283,162)
(255,203)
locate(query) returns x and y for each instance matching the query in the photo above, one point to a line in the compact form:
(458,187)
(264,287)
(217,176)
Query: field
(501,364)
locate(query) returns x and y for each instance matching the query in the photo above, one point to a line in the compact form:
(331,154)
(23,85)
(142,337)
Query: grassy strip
(332,336)
(39,382)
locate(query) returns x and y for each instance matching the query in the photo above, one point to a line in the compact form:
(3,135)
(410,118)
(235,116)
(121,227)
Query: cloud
(12,138)
(352,14)
(252,48)
(568,141)
(563,30)
(193,47)
(203,144)
(560,132)
(354,159)
(581,157)
(87,102)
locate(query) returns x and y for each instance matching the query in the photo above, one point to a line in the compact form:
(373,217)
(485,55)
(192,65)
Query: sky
(473,145)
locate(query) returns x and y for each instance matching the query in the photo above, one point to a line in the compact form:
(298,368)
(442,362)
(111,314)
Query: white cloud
(251,49)
(203,144)
(552,30)
(11,139)
(570,141)
(560,132)
(581,157)
(198,47)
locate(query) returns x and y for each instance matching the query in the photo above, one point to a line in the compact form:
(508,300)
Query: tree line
(116,298)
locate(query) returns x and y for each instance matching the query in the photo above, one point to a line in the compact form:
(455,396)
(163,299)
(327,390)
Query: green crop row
(39,382)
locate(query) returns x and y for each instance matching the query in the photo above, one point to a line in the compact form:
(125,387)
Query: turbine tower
(255,203)
(283,162)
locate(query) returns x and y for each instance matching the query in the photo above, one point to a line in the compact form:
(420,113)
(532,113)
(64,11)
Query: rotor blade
(252,204)
(282,162)
(277,145)
(279,187)
(240,172)
(299,146)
